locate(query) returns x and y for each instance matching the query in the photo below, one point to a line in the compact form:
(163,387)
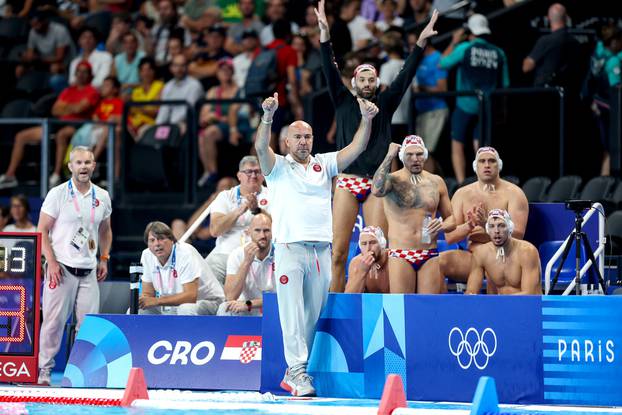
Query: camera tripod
(579,237)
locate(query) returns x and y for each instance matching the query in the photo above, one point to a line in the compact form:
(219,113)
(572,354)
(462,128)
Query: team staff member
(232,212)
(511,266)
(302,230)
(250,270)
(74,222)
(354,185)
(176,279)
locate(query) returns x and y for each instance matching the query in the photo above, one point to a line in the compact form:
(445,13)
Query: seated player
(250,270)
(511,266)
(369,271)
(176,279)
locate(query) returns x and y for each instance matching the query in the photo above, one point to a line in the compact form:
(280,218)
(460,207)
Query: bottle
(425,235)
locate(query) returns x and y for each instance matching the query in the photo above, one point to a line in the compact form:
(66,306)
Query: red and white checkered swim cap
(501,214)
(412,140)
(491,150)
(377,233)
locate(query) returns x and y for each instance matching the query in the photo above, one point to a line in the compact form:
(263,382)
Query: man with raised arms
(470,206)
(301,185)
(368,272)
(511,266)
(412,198)
(353,186)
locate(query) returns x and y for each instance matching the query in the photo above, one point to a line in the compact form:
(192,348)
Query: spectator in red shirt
(287,86)
(110,108)
(76,102)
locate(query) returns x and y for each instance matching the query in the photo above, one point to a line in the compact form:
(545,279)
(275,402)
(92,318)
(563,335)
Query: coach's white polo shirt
(260,276)
(301,198)
(59,204)
(226,202)
(189,265)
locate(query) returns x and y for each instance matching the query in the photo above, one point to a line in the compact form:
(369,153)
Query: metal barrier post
(45,148)
(562,130)
(111,160)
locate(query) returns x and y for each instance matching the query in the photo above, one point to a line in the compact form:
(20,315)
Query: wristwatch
(249,304)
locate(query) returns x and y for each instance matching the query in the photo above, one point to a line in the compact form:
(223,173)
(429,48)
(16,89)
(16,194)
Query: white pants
(218,265)
(79,294)
(303,273)
(206,307)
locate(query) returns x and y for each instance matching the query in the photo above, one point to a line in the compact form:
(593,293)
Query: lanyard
(76,206)
(174,271)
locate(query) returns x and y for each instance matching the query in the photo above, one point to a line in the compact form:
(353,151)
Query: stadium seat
(19,108)
(468,180)
(452,185)
(564,188)
(598,189)
(155,158)
(13,30)
(613,229)
(43,106)
(567,274)
(15,53)
(442,245)
(512,179)
(101,22)
(33,83)
(616,196)
(535,188)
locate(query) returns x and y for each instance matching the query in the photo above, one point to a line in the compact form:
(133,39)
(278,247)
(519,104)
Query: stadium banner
(582,357)
(453,340)
(189,352)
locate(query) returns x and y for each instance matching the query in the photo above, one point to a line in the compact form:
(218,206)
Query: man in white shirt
(242,61)
(250,271)
(100,61)
(357,24)
(181,87)
(176,279)
(232,212)
(74,221)
(302,230)
(275,10)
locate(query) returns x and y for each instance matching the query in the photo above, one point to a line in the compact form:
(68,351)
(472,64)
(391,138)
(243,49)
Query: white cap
(478,25)
(376,232)
(412,140)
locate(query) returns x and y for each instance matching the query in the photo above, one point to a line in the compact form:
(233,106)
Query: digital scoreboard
(20,293)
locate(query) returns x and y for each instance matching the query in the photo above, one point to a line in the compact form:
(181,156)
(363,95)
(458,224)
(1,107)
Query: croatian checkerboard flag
(242,348)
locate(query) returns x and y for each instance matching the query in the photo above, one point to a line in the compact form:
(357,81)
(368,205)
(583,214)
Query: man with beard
(470,205)
(511,266)
(302,230)
(368,272)
(250,271)
(232,212)
(74,222)
(412,198)
(354,185)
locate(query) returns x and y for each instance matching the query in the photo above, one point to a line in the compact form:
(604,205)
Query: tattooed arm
(381,184)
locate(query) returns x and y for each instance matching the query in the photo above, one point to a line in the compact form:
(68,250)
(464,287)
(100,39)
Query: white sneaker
(7,182)
(204,179)
(54,179)
(298,384)
(44,377)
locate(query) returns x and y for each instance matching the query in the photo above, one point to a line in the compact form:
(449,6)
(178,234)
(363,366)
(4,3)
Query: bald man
(302,230)
(555,58)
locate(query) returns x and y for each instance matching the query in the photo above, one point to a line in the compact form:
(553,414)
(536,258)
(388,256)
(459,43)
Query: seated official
(368,271)
(511,266)
(250,270)
(176,279)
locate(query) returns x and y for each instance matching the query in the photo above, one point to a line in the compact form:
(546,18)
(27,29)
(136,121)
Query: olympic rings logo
(471,348)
